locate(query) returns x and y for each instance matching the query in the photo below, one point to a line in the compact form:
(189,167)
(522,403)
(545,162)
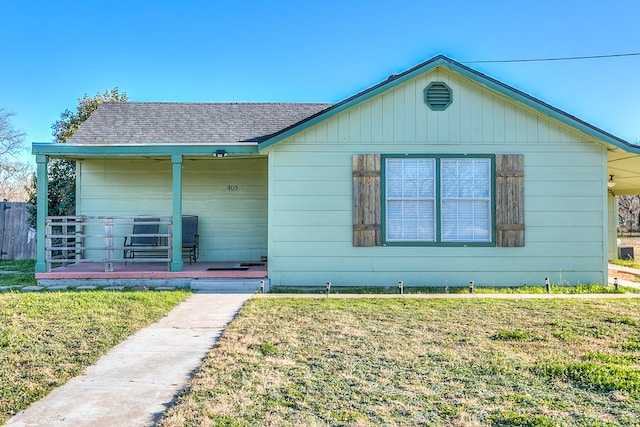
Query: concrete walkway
(628,283)
(137,380)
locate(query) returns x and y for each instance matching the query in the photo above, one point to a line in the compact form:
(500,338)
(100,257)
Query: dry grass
(362,362)
(47,338)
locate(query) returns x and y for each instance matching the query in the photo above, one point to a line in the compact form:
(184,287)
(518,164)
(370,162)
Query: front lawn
(47,338)
(436,362)
(16,274)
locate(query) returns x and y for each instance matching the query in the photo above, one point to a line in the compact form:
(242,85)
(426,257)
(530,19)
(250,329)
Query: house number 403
(232,187)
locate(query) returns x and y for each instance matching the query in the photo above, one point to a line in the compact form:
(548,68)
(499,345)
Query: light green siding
(228,195)
(310,178)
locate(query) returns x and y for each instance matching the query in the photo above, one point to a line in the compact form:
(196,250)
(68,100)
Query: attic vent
(437,96)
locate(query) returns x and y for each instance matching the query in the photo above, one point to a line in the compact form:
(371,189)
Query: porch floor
(158,270)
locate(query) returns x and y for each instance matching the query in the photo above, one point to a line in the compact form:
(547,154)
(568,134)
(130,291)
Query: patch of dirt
(628,241)
(622,275)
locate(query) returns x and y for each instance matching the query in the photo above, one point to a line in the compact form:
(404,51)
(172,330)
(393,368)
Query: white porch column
(176,242)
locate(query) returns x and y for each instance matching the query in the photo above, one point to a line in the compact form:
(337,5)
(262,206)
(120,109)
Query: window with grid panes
(437,199)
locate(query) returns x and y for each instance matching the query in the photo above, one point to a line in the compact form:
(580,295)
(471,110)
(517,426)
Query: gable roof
(146,123)
(474,75)
(161,129)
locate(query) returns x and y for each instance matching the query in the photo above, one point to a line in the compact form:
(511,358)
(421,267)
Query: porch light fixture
(611,183)
(221,153)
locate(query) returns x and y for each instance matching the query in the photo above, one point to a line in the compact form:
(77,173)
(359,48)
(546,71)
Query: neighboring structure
(436,176)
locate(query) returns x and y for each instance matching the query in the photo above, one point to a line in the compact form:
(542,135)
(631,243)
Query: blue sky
(53,52)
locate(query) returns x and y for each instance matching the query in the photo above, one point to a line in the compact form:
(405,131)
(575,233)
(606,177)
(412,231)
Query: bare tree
(15,174)
(15,181)
(629,213)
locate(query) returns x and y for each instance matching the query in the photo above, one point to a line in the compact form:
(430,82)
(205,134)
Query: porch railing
(101,239)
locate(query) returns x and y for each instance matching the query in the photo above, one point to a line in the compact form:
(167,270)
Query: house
(435,176)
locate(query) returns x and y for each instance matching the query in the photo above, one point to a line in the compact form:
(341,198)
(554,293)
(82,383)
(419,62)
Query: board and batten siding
(311,180)
(228,195)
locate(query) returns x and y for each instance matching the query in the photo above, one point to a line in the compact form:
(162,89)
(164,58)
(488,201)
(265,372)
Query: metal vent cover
(438,96)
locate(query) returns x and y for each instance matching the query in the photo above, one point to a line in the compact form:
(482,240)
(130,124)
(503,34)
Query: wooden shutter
(509,200)
(366,200)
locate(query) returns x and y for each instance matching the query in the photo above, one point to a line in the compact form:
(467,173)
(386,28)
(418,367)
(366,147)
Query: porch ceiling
(625,168)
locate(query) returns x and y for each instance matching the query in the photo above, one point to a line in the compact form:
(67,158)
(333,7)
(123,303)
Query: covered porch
(623,170)
(226,192)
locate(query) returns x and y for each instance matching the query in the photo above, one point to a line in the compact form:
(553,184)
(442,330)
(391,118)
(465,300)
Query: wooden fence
(17,239)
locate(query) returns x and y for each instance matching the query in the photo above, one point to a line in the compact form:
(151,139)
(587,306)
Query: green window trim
(438,200)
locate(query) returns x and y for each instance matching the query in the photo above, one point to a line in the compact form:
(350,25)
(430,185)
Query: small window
(438,199)
(437,95)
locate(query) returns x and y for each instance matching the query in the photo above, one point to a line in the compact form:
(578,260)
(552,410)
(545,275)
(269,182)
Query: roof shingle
(121,123)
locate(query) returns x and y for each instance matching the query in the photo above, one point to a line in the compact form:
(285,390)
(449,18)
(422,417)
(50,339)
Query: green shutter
(366,200)
(509,200)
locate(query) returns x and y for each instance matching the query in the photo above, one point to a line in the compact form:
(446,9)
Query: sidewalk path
(136,381)
(453,296)
(628,270)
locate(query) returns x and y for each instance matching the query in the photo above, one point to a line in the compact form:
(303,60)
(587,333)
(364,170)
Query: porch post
(176,242)
(42,198)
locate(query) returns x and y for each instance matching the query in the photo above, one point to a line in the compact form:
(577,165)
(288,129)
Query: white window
(437,199)
(466,200)
(410,207)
